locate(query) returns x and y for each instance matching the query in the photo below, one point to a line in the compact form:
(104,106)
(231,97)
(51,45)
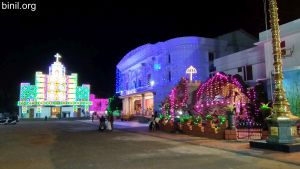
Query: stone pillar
(129,108)
(143,104)
(124,106)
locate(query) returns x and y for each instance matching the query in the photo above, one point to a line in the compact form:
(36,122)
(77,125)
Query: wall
(254,56)
(292,42)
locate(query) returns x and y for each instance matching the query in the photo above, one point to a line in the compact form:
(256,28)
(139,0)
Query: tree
(114,104)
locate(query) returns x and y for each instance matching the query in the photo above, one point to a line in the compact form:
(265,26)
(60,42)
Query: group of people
(154,121)
(106,123)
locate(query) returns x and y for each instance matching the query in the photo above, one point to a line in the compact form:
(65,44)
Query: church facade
(146,75)
(54,95)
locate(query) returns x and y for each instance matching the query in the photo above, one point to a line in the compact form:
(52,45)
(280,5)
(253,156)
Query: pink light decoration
(99,104)
(232,92)
(172,103)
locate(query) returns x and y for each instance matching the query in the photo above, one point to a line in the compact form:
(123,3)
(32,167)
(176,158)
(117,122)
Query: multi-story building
(54,95)
(146,75)
(256,63)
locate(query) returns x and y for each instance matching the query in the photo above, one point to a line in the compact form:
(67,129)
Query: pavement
(241,147)
(65,144)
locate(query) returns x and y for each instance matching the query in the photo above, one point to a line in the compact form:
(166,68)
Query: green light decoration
(83,93)
(24,109)
(184,118)
(196,120)
(222,119)
(39,109)
(265,107)
(209,117)
(75,108)
(54,103)
(28,92)
(86,107)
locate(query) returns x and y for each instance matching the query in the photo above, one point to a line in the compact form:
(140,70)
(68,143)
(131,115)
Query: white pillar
(143,104)
(129,108)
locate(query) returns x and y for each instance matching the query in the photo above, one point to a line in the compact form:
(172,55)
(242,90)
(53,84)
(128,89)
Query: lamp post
(281,123)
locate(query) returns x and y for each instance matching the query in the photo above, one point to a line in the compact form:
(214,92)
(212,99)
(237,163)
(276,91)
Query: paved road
(78,145)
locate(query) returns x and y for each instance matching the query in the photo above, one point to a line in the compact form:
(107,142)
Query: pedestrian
(46,118)
(111,120)
(152,126)
(108,125)
(102,123)
(157,120)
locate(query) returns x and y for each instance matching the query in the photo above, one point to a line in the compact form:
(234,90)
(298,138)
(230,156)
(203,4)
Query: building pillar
(129,107)
(143,104)
(124,106)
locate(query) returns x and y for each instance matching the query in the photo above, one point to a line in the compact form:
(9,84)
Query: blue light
(152,83)
(157,66)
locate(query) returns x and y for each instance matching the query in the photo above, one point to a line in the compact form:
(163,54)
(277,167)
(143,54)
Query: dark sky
(92,37)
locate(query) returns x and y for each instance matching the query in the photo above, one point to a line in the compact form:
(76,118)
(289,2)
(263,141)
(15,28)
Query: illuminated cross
(191,70)
(57,57)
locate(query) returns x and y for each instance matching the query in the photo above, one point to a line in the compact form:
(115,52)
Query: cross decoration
(57,56)
(191,70)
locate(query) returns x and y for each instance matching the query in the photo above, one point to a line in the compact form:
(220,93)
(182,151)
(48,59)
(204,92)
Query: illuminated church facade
(54,95)
(146,75)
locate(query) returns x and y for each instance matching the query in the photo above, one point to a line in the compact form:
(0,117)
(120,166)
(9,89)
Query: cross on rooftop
(191,70)
(57,56)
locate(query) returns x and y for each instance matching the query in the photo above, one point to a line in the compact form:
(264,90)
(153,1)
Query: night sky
(93,37)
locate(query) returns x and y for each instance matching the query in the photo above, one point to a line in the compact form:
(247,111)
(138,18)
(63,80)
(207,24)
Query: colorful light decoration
(99,105)
(177,99)
(55,89)
(220,91)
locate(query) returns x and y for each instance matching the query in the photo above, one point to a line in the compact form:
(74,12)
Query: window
(140,83)
(211,56)
(134,82)
(169,58)
(249,73)
(212,68)
(170,78)
(283,50)
(240,69)
(282,44)
(148,78)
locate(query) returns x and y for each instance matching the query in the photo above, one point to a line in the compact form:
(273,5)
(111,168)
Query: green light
(28,92)
(53,103)
(83,93)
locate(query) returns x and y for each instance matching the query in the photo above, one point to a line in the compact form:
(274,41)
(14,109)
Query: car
(8,118)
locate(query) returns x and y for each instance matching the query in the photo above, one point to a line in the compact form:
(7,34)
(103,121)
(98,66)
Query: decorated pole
(282,124)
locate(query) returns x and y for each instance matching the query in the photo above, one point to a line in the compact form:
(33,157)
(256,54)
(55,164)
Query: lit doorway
(55,112)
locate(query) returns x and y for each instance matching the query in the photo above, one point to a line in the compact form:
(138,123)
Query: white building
(146,75)
(257,62)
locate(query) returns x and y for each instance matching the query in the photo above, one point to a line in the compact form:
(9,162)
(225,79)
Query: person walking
(152,123)
(111,120)
(102,123)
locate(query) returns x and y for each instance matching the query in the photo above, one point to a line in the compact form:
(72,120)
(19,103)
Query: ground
(78,145)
